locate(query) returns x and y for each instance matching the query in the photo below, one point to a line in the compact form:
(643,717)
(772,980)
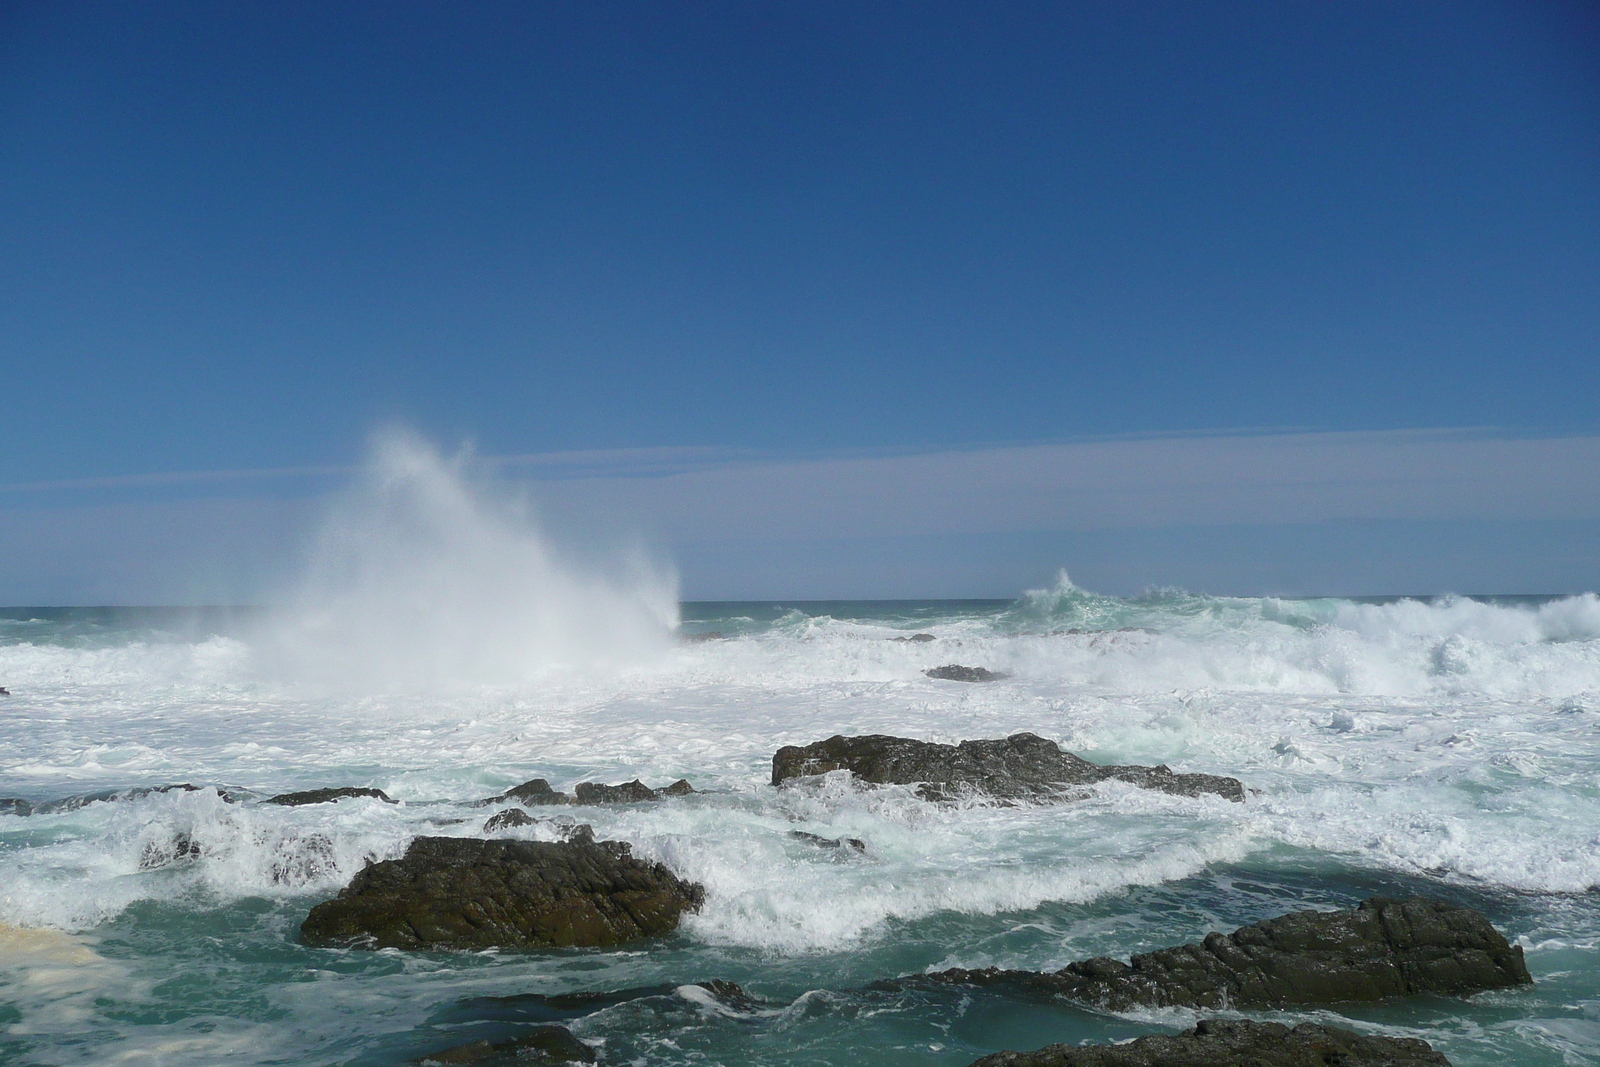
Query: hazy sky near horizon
(824,299)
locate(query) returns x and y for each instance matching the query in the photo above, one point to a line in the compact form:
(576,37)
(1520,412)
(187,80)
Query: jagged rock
(955,672)
(541,1045)
(18,806)
(326,796)
(1023,766)
(534,792)
(1382,949)
(829,842)
(460,893)
(508,819)
(538,792)
(916,639)
(1236,1043)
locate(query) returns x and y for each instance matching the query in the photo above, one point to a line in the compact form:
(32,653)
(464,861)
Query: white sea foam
(1453,738)
(430,575)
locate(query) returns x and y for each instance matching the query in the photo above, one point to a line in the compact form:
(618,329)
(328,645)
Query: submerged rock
(540,1045)
(1382,949)
(829,842)
(1235,1043)
(695,639)
(1023,766)
(915,639)
(156,854)
(18,806)
(327,796)
(955,672)
(537,792)
(456,893)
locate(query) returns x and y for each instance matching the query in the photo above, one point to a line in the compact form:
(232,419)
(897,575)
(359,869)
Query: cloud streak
(1196,481)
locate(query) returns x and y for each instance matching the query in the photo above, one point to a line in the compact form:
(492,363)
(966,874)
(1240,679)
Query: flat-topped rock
(1020,767)
(326,796)
(1382,949)
(537,792)
(1236,1043)
(460,893)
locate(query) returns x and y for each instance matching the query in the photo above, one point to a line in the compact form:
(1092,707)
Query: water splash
(431,575)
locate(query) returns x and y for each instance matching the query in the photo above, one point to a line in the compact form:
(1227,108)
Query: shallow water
(1445,747)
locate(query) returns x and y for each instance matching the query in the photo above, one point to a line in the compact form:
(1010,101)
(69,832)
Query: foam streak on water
(1449,747)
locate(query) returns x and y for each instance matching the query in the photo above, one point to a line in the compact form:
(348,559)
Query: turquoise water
(1446,747)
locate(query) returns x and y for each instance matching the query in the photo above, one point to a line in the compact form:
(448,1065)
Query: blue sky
(706,237)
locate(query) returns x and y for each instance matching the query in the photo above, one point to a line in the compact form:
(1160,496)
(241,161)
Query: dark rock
(1236,1043)
(695,639)
(165,853)
(538,793)
(829,842)
(916,639)
(326,796)
(506,820)
(1382,949)
(627,793)
(534,793)
(15,806)
(1023,766)
(4,692)
(541,1045)
(955,672)
(456,893)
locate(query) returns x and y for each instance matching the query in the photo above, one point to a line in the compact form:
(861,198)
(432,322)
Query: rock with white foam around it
(1020,767)
(1380,950)
(1236,1043)
(460,893)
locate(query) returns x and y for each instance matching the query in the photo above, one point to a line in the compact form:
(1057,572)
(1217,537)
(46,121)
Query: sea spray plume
(428,575)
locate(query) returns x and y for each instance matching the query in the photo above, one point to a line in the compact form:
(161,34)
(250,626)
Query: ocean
(1447,747)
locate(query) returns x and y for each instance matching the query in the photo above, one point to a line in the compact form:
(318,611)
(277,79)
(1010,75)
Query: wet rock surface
(1236,1043)
(1382,949)
(1022,766)
(853,843)
(455,893)
(507,820)
(537,793)
(915,639)
(540,1045)
(955,672)
(326,796)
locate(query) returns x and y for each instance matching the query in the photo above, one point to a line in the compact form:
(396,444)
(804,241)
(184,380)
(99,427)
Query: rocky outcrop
(1236,1043)
(509,819)
(456,893)
(955,672)
(540,1045)
(915,639)
(326,796)
(1382,949)
(537,792)
(1023,766)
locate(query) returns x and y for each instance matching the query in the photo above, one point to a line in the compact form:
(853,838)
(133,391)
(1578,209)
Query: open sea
(1448,747)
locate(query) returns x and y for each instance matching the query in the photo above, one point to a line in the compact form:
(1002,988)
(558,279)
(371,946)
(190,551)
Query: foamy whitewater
(1446,747)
